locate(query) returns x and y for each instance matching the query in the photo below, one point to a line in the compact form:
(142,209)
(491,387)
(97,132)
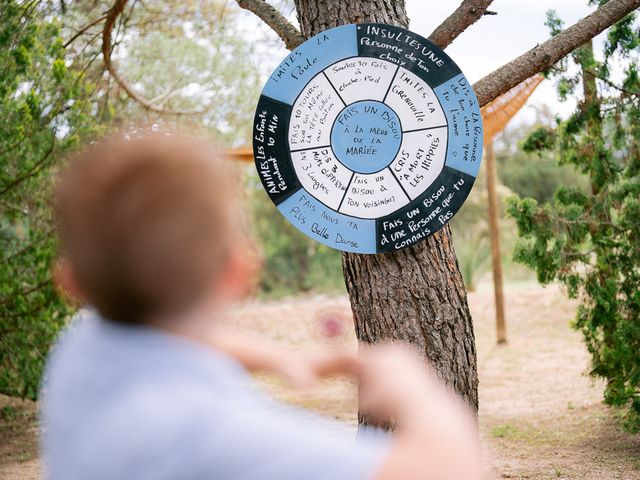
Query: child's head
(149,227)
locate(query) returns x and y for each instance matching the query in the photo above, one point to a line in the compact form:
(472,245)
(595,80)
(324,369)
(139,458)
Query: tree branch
(84,29)
(39,165)
(545,55)
(24,293)
(46,234)
(289,34)
(468,13)
(606,81)
(107,47)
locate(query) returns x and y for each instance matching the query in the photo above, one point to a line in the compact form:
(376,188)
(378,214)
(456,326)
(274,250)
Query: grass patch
(504,431)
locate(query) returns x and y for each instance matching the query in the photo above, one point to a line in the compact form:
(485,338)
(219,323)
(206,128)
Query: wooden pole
(494,233)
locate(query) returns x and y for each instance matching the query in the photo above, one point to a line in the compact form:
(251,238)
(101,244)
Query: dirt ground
(541,417)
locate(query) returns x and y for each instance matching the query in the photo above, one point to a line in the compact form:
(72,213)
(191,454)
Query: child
(144,387)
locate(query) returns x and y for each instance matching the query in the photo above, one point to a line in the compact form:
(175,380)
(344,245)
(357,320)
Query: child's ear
(239,275)
(66,281)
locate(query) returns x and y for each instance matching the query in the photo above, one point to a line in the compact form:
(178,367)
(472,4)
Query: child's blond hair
(146,223)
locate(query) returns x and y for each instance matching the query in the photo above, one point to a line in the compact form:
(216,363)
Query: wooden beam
(242,154)
(494,233)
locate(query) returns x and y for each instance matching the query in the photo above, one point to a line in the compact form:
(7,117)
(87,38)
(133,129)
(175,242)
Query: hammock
(497,113)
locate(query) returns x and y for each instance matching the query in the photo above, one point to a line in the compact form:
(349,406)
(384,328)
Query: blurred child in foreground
(145,387)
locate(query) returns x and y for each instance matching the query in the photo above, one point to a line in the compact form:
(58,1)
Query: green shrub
(41,117)
(589,240)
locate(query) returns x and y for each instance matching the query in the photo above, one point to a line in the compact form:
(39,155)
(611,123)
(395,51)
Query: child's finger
(338,364)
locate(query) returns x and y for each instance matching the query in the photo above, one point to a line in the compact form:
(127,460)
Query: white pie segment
(414,101)
(313,114)
(361,78)
(420,159)
(373,195)
(322,175)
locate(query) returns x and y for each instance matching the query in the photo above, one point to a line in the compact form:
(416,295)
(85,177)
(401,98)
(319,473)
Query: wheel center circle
(366,136)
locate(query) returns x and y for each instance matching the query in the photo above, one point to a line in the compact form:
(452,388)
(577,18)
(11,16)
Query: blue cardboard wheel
(368,138)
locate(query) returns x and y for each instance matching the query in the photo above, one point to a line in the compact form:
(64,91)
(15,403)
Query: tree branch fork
(108,44)
(535,60)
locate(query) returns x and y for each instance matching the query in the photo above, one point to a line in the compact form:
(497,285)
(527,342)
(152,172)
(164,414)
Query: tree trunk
(416,294)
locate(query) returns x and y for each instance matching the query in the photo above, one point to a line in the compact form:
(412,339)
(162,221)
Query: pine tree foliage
(43,113)
(589,239)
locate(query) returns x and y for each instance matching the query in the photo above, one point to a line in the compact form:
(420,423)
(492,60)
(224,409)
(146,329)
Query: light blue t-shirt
(132,403)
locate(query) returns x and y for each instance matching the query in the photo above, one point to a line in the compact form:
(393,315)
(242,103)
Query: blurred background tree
(192,63)
(533,174)
(588,239)
(44,111)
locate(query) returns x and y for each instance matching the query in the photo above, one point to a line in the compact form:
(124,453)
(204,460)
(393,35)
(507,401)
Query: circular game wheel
(368,138)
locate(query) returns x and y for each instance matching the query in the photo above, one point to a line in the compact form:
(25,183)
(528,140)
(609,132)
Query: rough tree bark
(272,17)
(469,12)
(416,294)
